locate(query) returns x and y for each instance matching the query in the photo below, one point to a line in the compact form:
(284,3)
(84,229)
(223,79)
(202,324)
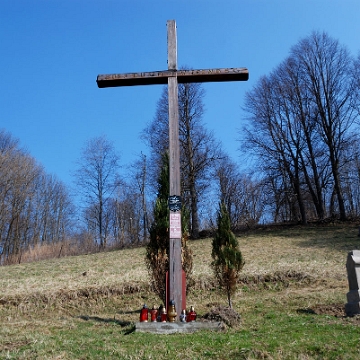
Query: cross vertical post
(175,266)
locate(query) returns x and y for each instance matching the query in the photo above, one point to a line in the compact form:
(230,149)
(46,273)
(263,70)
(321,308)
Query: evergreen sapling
(227,258)
(157,250)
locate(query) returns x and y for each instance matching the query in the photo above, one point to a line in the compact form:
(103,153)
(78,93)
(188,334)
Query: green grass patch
(290,298)
(270,335)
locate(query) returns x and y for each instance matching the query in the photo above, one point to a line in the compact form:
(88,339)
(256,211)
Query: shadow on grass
(336,310)
(128,312)
(341,237)
(123,324)
(306,311)
(341,243)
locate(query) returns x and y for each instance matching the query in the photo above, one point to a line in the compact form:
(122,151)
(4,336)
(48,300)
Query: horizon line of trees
(302,136)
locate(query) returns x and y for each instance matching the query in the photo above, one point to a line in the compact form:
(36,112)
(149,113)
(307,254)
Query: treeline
(34,207)
(301,137)
(39,217)
(304,132)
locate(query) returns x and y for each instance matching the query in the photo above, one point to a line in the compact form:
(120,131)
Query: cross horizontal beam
(183,76)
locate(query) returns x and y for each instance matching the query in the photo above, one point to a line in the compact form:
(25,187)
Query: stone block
(353,270)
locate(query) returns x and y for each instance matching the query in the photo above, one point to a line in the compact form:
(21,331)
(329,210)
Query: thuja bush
(157,251)
(227,258)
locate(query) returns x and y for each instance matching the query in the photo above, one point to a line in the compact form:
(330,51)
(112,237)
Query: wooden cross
(172,77)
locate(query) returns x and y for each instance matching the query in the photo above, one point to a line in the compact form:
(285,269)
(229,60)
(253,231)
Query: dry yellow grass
(72,273)
(310,253)
(321,254)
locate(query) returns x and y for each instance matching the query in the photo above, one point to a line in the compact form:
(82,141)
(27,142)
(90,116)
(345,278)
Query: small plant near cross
(227,258)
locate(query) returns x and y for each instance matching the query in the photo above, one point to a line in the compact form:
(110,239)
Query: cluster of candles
(163,315)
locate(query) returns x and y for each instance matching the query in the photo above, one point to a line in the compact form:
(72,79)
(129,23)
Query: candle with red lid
(153,314)
(144,314)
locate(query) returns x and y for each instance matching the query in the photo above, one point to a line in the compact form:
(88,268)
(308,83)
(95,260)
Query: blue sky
(53,50)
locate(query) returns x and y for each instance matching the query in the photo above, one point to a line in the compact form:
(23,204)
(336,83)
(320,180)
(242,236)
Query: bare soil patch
(335,310)
(224,314)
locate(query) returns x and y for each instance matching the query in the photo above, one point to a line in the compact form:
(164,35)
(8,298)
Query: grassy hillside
(290,297)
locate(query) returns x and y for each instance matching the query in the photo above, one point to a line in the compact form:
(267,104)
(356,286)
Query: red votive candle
(144,314)
(153,314)
(164,315)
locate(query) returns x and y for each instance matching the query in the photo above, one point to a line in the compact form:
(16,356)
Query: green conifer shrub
(157,250)
(227,258)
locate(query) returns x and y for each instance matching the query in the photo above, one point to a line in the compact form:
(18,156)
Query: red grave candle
(144,314)
(153,314)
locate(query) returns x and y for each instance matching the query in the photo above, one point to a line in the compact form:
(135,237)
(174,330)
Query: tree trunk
(192,177)
(229,298)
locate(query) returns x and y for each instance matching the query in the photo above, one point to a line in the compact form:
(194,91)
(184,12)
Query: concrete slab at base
(177,327)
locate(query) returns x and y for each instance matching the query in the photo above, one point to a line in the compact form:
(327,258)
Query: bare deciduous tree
(302,116)
(241,195)
(198,147)
(140,180)
(326,67)
(96,180)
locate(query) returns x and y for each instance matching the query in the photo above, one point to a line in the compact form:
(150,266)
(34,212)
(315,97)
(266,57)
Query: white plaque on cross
(175,225)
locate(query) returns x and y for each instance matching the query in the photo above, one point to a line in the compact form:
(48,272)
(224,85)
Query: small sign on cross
(175,203)
(175,225)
